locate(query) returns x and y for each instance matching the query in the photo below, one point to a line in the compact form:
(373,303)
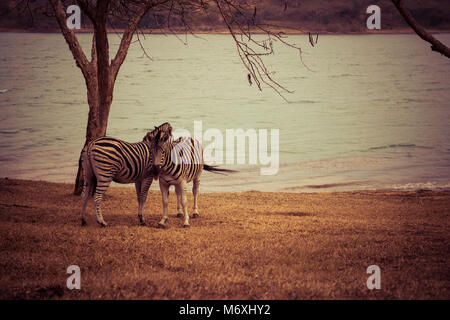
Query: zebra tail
(88,173)
(94,181)
(216,169)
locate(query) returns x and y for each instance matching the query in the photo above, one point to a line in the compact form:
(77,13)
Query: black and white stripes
(178,162)
(157,156)
(185,159)
(108,159)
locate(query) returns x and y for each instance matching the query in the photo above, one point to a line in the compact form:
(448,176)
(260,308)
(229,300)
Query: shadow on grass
(151,221)
(292,213)
(37,293)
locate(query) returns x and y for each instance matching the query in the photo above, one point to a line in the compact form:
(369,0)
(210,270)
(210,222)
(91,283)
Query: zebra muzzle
(156,170)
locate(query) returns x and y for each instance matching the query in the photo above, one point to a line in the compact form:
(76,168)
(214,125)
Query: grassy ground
(248,245)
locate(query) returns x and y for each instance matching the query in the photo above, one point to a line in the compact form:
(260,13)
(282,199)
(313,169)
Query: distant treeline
(307,15)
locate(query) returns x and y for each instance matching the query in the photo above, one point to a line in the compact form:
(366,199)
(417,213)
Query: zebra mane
(166,127)
(155,134)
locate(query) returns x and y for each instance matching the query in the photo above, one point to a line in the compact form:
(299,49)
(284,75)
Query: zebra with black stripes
(109,159)
(178,163)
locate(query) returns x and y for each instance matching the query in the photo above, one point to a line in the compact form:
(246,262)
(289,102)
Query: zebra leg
(88,185)
(138,185)
(180,189)
(179,207)
(142,191)
(195,187)
(102,186)
(164,187)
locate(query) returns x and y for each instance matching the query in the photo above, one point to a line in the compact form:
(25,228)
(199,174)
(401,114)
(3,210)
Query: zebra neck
(148,162)
(168,163)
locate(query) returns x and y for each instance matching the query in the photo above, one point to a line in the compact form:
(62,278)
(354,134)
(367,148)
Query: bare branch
(128,36)
(87,9)
(239,18)
(436,45)
(70,37)
(144,52)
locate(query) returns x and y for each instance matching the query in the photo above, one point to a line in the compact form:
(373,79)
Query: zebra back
(126,161)
(183,158)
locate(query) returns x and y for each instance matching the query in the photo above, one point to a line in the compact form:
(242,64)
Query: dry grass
(248,245)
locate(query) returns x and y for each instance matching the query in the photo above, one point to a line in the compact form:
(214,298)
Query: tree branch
(70,37)
(436,45)
(87,9)
(239,18)
(127,37)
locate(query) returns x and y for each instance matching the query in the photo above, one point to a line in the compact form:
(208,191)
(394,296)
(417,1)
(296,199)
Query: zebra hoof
(102,224)
(195,215)
(186,226)
(83,222)
(142,223)
(161,226)
(180,215)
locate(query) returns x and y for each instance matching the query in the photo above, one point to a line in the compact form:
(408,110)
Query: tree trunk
(91,135)
(97,118)
(96,128)
(100,84)
(100,73)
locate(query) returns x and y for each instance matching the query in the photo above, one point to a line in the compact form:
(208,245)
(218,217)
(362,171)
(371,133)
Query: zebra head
(159,140)
(161,148)
(151,136)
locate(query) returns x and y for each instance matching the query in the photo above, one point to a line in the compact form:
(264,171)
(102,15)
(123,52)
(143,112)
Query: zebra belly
(124,180)
(170,180)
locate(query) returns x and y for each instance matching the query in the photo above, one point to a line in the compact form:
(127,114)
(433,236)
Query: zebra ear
(148,137)
(166,127)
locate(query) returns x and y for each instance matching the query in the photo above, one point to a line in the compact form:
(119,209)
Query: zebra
(178,163)
(109,159)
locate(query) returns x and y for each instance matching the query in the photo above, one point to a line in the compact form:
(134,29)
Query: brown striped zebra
(109,159)
(178,163)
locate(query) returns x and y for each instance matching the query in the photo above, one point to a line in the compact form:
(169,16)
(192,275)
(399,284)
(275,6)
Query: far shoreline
(225,32)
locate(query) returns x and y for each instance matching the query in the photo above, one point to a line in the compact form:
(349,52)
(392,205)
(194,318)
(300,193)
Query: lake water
(372,114)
